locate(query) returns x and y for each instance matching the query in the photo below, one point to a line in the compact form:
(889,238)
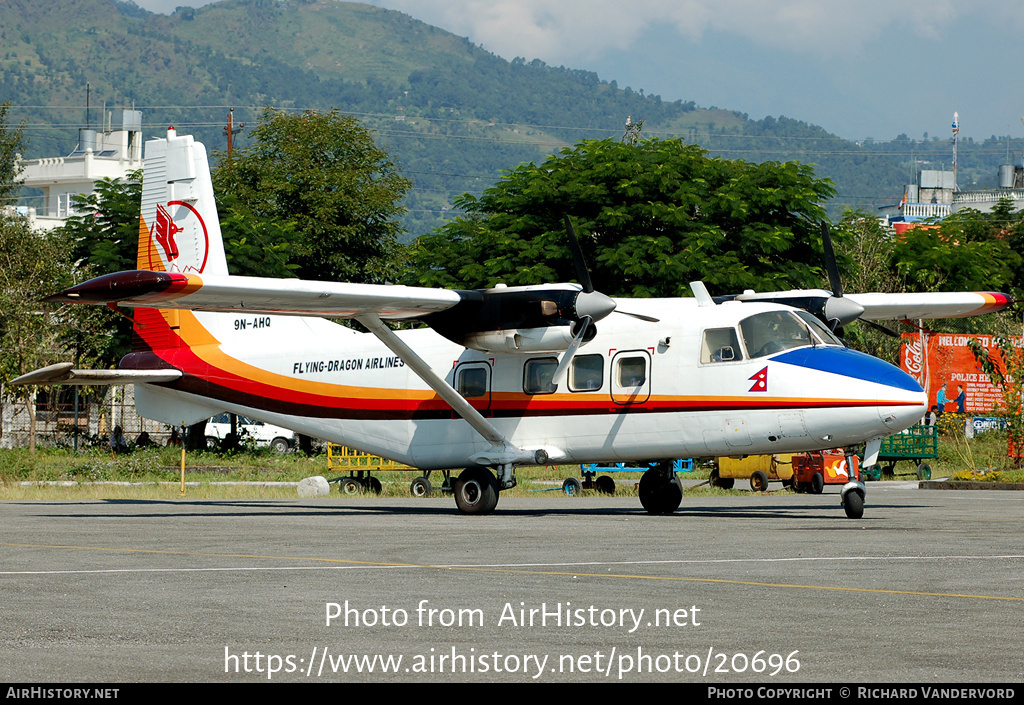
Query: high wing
(837,310)
(882,307)
(260,295)
(879,307)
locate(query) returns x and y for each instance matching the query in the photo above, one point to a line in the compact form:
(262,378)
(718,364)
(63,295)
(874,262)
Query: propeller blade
(582,273)
(830,261)
(570,352)
(642,317)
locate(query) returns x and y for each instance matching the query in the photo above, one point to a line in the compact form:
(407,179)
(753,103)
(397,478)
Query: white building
(101,154)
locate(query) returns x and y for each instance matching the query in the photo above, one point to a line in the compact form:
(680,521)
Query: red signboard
(945,366)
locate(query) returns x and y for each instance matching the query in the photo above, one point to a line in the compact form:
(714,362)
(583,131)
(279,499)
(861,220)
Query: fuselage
(691,385)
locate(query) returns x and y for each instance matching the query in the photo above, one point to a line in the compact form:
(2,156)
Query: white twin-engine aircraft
(501,377)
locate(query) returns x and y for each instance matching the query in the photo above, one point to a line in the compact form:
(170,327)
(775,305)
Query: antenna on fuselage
(700,292)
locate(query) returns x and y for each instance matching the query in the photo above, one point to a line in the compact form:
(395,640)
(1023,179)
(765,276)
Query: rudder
(179,230)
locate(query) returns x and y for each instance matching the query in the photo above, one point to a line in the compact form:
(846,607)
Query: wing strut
(502,454)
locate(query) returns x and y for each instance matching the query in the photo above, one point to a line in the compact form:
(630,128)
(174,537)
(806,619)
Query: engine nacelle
(551,339)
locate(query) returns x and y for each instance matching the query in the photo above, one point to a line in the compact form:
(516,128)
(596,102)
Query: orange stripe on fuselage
(202,358)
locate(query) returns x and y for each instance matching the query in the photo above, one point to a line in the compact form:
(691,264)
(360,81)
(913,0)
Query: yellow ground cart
(758,469)
(359,466)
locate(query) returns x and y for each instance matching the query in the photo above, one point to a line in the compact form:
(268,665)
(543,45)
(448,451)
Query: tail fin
(179,230)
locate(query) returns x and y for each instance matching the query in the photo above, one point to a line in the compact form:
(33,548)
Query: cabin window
(472,382)
(632,371)
(720,345)
(537,375)
(587,373)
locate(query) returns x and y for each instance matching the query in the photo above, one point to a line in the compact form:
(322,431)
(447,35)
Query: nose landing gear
(660,490)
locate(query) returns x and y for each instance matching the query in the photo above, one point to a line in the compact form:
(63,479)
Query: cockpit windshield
(775,331)
(825,336)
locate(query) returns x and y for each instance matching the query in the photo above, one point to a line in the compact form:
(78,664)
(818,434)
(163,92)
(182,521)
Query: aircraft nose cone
(903,416)
(593,304)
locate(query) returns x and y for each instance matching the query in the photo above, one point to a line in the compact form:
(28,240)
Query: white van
(262,434)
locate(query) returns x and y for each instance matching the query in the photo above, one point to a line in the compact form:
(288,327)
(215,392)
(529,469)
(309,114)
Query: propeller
(840,311)
(590,305)
(589,302)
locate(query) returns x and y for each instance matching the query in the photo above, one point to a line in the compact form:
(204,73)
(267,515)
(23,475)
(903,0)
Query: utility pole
(632,134)
(956,132)
(231,130)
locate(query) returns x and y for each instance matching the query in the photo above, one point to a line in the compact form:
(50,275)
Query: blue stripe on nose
(850,363)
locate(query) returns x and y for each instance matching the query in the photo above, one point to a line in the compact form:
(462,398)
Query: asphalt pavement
(769,589)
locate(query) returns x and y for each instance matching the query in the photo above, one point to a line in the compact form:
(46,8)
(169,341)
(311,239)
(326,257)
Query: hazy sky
(872,68)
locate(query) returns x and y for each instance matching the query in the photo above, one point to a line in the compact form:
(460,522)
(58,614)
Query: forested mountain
(451,114)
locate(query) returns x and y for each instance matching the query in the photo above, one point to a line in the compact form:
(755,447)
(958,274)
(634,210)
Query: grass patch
(155,473)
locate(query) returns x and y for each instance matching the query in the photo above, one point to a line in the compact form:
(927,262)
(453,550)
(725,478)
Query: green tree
(331,195)
(106,230)
(968,250)
(32,265)
(104,238)
(651,218)
(865,247)
(12,142)
(1004,365)
(255,247)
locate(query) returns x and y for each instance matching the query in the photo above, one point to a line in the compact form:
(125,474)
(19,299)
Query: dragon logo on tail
(165,231)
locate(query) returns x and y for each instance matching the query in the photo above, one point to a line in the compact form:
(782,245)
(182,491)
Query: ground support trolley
(918,443)
(812,471)
(360,465)
(605,484)
(757,469)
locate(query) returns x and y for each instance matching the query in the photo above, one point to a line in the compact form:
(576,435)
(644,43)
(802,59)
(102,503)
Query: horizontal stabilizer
(63,373)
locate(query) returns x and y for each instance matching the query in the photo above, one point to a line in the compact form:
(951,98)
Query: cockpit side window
(773,331)
(720,345)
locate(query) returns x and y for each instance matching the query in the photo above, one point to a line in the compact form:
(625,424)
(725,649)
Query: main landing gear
(660,489)
(476,491)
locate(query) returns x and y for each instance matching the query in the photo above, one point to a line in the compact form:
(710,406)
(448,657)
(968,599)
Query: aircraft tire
(817,483)
(420,487)
(476,491)
(724,483)
(853,504)
(759,481)
(660,493)
(350,486)
(605,485)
